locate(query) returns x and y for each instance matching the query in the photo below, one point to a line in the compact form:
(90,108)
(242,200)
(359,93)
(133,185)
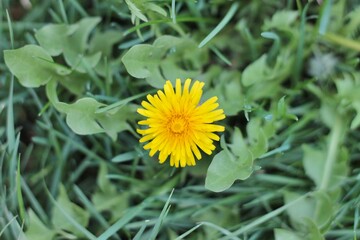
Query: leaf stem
(332,153)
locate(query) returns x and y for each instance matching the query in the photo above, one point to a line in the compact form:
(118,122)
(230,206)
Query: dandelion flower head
(178,125)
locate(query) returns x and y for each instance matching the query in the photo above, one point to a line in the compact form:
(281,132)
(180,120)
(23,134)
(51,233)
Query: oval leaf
(31,64)
(225,169)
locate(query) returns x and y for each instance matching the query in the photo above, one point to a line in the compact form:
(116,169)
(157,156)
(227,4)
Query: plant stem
(332,153)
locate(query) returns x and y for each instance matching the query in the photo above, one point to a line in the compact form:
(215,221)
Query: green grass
(286,74)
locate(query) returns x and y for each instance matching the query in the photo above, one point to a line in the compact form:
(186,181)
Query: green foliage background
(73,73)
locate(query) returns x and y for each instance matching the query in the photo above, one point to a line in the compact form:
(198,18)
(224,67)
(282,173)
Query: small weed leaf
(37,230)
(81,117)
(160,62)
(315,211)
(228,89)
(31,64)
(225,169)
(236,162)
(72,41)
(314,161)
(281,20)
(283,234)
(65,209)
(256,71)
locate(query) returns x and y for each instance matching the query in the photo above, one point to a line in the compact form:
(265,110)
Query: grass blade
(325,16)
(10,129)
(356,221)
(79,8)
(90,207)
(10,29)
(63,12)
(264,218)
(173,13)
(185,234)
(221,56)
(77,225)
(355,45)
(141,231)
(179,19)
(7,225)
(221,25)
(34,202)
(19,193)
(161,218)
(133,212)
(121,103)
(12,172)
(300,50)
(124,157)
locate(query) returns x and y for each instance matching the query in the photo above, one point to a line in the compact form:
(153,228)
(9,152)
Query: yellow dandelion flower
(178,125)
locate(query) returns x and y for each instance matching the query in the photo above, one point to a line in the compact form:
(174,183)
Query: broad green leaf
(325,210)
(107,198)
(355,123)
(314,161)
(37,230)
(256,137)
(59,38)
(104,41)
(82,63)
(303,209)
(238,145)
(113,202)
(171,70)
(225,169)
(115,121)
(52,37)
(154,7)
(352,20)
(72,41)
(255,72)
(218,215)
(260,146)
(78,40)
(281,107)
(184,49)
(282,110)
(263,80)
(74,82)
(283,234)
(227,166)
(142,59)
(135,11)
(74,211)
(348,86)
(327,113)
(312,232)
(103,182)
(348,89)
(319,208)
(228,89)
(281,20)
(81,117)
(160,62)
(31,64)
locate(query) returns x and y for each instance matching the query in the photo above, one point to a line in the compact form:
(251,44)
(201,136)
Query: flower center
(178,125)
